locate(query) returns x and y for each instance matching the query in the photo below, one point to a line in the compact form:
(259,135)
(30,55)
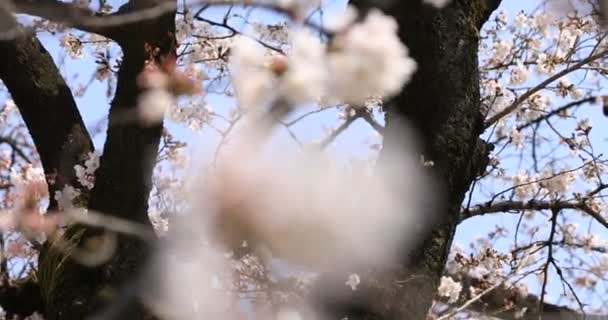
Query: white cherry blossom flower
(361,68)
(152,106)
(449,289)
(519,74)
(353,281)
(86,174)
(66,197)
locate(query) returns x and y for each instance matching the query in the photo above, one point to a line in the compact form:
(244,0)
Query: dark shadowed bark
(68,14)
(124,178)
(47,106)
(123,181)
(48,109)
(20,298)
(442,104)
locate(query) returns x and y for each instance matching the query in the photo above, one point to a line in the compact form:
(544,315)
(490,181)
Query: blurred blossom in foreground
(349,68)
(186,282)
(162,83)
(307,210)
(302,208)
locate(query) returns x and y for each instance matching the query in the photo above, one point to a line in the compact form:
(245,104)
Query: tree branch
(509,205)
(47,106)
(541,86)
(550,114)
(368,117)
(496,303)
(65,13)
(111,26)
(124,177)
(487,8)
(335,133)
(70,289)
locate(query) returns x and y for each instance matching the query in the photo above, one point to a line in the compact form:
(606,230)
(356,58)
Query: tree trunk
(49,111)
(47,106)
(442,104)
(122,187)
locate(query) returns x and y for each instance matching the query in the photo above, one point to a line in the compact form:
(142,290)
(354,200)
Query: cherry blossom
(449,289)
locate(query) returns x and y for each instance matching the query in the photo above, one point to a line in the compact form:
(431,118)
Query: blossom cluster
(350,68)
(85,174)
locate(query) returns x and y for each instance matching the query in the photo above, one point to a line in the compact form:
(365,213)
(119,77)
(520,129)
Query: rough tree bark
(48,108)
(70,290)
(123,180)
(442,104)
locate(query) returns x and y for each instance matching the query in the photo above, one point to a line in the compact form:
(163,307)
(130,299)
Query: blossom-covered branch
(593,57)
(504,300)
(511,205)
